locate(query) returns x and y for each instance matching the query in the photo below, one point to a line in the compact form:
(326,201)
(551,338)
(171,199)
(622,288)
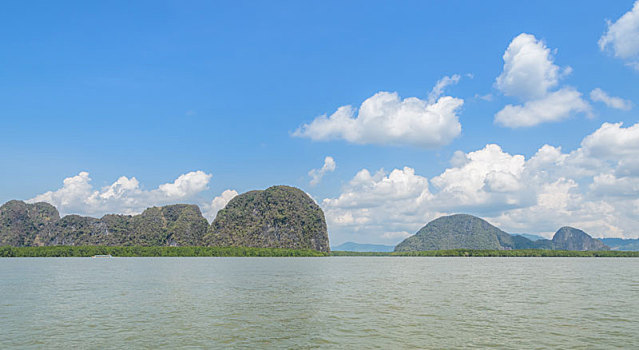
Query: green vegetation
(278,217)
(140,251)
(192,251)
(498,253)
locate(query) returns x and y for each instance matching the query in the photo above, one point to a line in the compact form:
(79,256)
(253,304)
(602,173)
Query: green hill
(462,231)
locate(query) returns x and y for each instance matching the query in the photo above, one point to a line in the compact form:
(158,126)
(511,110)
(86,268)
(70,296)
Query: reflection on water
(338,302)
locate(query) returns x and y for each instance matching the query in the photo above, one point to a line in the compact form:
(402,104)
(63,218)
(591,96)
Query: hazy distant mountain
(621,244)
(358,247)
(529,236)
(463,231)
(278,217)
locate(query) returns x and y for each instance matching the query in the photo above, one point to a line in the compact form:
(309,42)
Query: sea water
(330,302)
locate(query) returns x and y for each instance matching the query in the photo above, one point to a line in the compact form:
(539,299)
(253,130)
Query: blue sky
(219,93)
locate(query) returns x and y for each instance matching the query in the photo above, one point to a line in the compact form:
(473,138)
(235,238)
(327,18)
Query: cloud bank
(593,187)
(125,196)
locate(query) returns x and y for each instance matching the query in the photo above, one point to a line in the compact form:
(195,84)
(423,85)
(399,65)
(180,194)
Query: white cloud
(613,141)
(622,37)
(486,171)
(317,174)
(372,205)
(209,210)
(386,119)
(599,95)
(441,85)
(397,235)
(186,185)
(125,196)
(529,71)
(529,74)
(594,187)
(555,106)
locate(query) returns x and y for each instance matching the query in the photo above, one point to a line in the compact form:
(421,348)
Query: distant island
(279,217)
(462,231)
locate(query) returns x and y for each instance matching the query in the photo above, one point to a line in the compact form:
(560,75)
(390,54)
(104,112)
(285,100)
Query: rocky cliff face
(23,224)
(570,238)
(20,223)
(278,217)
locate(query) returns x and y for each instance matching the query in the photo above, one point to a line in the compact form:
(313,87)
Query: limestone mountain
(463,231)
(460,231)
(20,223)
(278,217)
(570,238)
(23,224)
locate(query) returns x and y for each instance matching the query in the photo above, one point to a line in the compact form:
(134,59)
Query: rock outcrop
(570,238)
(278,217)
(23,224)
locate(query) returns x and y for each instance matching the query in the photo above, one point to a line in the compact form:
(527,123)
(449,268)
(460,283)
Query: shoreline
(199,251)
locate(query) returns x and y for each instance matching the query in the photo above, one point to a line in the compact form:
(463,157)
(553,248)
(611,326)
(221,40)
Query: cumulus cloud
(555,106)
(599,95)
(530,74)
(387,119)
(209,210)
(317,174)
(612,141)
(622,37)
(379,205)
(485,173)
(125,195)
(593,187)
(529,71)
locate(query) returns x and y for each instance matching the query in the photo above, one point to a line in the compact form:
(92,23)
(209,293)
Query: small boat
(102,256)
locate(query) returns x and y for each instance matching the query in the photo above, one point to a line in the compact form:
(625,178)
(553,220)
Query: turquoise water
(336,302)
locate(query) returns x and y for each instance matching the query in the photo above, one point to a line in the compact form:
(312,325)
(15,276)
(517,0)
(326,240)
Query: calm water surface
(337,302)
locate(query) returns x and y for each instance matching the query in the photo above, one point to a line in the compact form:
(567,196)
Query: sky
(388,114)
